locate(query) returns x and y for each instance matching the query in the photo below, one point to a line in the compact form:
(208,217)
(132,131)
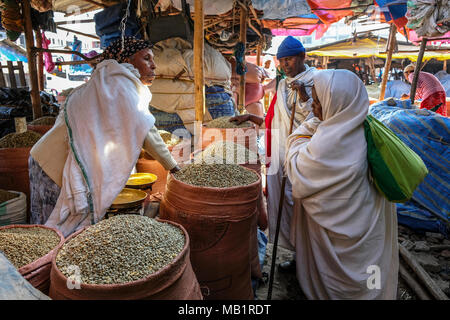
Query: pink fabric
(305,31)
(253,92)
(412,36)
(48,60)
(427,84)
(320,30)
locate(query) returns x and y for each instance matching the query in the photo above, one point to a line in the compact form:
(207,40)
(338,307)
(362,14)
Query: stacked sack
(173,88)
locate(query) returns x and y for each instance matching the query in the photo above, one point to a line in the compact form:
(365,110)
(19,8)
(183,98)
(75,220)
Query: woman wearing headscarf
(80,166)
(429,90)
(343,230)
(291,55)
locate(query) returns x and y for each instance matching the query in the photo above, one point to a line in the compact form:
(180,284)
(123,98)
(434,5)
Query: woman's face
(143,61)
(407,75)
(316,106)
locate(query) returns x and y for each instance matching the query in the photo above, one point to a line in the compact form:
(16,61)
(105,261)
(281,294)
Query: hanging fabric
(48,60)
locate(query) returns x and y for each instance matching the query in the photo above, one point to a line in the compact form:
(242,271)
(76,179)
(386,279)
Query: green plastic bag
(396,169)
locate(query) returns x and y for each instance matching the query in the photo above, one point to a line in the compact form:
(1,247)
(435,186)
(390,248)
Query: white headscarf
(341,225)
(345,104)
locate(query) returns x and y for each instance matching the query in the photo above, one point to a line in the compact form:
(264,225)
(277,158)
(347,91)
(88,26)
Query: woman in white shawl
(80,166)
(343,230)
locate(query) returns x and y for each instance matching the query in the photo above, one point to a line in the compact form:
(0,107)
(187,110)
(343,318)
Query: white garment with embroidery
(108,119)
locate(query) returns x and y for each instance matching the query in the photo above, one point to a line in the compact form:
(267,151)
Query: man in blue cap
(291,55)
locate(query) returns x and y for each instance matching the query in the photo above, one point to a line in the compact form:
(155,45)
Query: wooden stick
(371,63)
(11,74)
(412,95)
(199,81)
(425,63)
(422,274)
(78,32)
(59,23)
(40,61)
(243,39)
(255,14)
(445,65)
(61,51)
(387,66)
(2,76)
(78,12)
(254,28)
(412,283)
(99,4)
(280,210)
(258,54)
(29,38)
(23,81)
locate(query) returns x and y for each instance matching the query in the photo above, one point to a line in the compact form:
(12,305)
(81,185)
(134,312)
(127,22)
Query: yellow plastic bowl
(141,179)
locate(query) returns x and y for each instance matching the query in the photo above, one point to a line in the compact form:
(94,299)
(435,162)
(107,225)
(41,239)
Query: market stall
(213,213)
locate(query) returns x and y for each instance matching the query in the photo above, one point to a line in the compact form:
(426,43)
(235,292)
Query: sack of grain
(30,249)
(125,257)
(13,207)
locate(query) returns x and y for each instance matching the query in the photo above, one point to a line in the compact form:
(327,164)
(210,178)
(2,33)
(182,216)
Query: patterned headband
(130,47)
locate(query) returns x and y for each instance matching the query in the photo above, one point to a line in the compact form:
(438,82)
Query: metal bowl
(129,198)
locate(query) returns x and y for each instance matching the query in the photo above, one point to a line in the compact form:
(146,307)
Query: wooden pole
(280,211)
(78,32)
(387,66)
(325,62)
(412,283)
(412,94)
(445,66)
(199,80)
(243,39)
(32,71)
(422,274)
(40,61)
(258,54)
(371,63)
(61,51)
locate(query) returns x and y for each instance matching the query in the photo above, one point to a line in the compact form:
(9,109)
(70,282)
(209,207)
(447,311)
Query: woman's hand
(300,88)
(247,117)
(175,169)
(241,118)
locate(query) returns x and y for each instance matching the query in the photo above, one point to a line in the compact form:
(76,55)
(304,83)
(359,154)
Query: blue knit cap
(289,47)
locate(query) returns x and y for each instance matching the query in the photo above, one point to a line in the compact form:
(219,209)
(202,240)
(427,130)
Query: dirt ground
(286,285)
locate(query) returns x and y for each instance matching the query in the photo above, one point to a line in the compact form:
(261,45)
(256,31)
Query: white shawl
(107,119)
(342,227)
(280,132)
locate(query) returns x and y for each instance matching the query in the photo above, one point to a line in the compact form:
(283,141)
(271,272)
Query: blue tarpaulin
(9,51)
(428,134)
